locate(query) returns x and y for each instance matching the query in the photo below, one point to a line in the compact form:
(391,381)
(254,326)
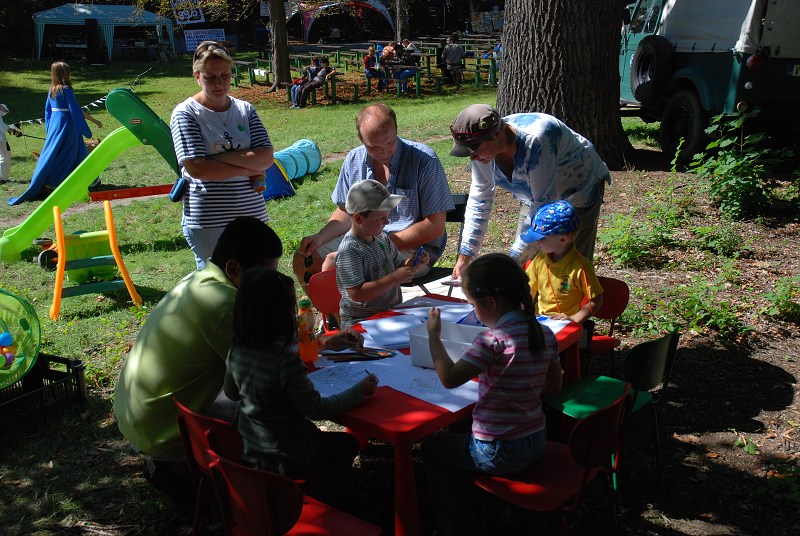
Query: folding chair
(615,299)
(324,294)
(438,272)
(200,433)
(556,482)
(647,366)
(257,502)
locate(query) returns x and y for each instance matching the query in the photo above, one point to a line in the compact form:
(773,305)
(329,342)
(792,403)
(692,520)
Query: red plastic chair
(257,502)
(615,299)
(556,482)
(325,296)
(200,433)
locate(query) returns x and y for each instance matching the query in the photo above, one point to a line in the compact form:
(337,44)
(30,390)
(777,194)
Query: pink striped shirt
(511,379)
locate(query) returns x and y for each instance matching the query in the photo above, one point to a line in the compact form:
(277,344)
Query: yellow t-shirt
(561,286)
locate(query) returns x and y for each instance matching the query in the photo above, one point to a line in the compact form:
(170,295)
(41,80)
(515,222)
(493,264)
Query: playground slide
(140,126)
(74,188)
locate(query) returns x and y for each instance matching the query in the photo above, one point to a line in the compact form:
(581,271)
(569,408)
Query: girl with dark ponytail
(516,362)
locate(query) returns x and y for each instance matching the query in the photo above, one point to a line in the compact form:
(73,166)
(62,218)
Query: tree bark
(280,44)
(561,57)
(400,26)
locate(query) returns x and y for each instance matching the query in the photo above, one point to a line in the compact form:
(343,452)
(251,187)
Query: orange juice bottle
(306,335)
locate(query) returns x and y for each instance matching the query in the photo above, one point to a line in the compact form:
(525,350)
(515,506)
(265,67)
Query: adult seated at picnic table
(406,168)
(325,71)
(404,68)
(308,75)
(372,68)
(389,52)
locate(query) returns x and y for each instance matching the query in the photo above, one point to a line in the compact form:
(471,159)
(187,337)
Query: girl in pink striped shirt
(516,362)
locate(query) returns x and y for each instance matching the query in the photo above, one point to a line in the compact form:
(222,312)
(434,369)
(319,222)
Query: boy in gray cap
(539,160)
(369,267)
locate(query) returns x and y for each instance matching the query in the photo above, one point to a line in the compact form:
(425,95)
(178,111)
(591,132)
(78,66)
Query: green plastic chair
(647,366)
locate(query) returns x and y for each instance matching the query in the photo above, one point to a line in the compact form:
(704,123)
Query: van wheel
(684,118)
(650,68)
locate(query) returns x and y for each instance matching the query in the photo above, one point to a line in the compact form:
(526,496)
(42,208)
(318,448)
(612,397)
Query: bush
(739,166)
(784,302)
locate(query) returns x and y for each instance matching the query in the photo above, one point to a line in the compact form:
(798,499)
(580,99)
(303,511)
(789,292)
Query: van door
(644,21)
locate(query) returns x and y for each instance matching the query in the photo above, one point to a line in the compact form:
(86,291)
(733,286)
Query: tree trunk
(280,44)
(561,57)
(400,26)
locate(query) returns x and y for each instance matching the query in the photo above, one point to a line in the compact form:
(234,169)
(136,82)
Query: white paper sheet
(452,312)
(389,332)
(398,373)
(554,325)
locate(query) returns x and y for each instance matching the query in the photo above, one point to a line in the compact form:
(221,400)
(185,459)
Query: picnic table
(238,65)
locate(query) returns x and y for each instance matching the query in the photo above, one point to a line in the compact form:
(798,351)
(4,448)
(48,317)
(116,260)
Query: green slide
(141,126)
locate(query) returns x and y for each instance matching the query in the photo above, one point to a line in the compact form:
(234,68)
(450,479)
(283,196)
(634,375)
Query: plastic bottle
(306,335)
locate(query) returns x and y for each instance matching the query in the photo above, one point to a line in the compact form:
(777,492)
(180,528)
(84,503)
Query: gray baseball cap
(370,195)
(474,125)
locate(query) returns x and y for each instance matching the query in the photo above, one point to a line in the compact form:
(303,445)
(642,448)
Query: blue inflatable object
(296,161)
(299,159)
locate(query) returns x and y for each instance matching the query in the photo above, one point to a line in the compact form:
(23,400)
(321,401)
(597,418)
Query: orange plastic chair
(324,294)
(83,257)
(615,299)
(200,433)
(257,502)
(556,482)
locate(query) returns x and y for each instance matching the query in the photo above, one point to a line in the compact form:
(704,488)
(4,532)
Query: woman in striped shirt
(221,146)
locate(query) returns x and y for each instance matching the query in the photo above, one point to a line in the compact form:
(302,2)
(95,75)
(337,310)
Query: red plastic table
(402,420)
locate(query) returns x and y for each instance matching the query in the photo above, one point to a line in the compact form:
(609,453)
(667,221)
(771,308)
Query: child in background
(5,148)
(516,361)
(369,267)
(560,276)
(277,398)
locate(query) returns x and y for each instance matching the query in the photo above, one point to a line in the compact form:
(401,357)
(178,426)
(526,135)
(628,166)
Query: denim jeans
(404,75)
(380,75)
(202,241)
(452,460)
(295,93)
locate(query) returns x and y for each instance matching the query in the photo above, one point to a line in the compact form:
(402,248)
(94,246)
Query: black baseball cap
(474,125)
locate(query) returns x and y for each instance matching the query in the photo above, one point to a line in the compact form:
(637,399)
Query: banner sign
(187,11)
(195,37)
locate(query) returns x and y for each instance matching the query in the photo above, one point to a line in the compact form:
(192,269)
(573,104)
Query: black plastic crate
(51,386)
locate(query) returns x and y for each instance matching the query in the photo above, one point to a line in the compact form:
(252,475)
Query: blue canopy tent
(108,17)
